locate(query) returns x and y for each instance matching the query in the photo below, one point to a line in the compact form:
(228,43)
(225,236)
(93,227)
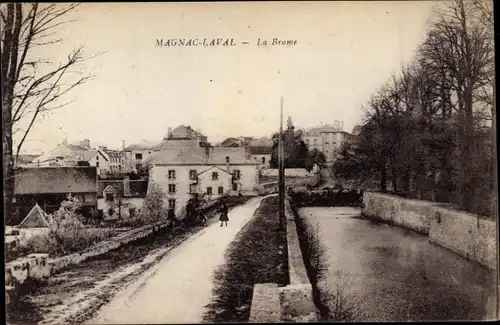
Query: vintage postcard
(271,161)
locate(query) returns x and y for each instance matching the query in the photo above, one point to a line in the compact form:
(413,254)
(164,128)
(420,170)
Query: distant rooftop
(200,156)
(144,145)
(55,180)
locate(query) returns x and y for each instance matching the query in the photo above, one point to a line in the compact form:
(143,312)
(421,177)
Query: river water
(391,274)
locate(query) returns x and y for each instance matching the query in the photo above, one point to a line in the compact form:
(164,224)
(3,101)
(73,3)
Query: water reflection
(398,275)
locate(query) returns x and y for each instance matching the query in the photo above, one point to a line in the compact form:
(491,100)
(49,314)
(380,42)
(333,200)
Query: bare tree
(462,47)
(31,85)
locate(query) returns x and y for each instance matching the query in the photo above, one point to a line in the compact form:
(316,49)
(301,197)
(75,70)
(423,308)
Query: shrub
(154,209)
(66,233)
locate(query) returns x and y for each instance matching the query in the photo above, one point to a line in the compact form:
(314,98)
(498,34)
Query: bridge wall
(461,232)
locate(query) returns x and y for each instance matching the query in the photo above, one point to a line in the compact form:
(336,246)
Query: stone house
(127,195)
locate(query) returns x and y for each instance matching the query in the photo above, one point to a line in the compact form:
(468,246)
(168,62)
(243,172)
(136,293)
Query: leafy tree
(315,157)
(295,150)
(154,207)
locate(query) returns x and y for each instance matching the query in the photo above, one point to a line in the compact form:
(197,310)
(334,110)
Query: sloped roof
(145,145)
(201,156)
(230,141)
(36,218)
(72,152)
(184,132)
(178,143)
(113,153)
(264,142)
(55,180)
(260,150)
(26,158)
(117,185)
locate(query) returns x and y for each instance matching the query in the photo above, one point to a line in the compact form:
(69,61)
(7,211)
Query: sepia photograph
(249,162)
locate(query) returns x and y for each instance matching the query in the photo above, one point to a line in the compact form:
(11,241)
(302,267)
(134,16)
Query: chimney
(65,142)
(169,132)
(123,145)
(227,163)
(207,153)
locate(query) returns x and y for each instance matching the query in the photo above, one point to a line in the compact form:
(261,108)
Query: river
(392,274)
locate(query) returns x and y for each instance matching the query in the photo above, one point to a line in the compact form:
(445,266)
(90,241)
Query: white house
(204,172)
(329,139)
(136,153)
(68,155)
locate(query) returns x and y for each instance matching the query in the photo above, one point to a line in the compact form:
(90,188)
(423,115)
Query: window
(209,190)
(97,157)
(215,176)
(221,190)
(236,174)
(263,160)
(109,197)
(97,164)
(315,141)
(171,204)
(171,188)
(227,159)
(192,174)
(235,187)
(138,166)
(171,174)
(326,142)
(138,156)
(192,188)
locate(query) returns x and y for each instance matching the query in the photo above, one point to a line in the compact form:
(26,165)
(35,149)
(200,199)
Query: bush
(66,233)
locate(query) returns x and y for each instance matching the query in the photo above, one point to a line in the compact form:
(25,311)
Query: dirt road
(180,286)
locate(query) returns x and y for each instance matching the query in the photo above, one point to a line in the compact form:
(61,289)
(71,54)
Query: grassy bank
(333,304)
(258,255)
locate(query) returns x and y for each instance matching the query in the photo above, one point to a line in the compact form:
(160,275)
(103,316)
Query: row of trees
(296,152)
(430,129)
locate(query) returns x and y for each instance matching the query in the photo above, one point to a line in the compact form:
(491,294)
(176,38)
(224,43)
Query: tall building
(329,139)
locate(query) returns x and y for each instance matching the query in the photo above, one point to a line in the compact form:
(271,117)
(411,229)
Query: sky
(344,52)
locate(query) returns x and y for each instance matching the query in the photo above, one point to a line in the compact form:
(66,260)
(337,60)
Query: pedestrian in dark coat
(224,218)
(171,217)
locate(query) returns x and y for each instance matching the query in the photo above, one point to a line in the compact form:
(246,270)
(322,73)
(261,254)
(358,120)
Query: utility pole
(281,167)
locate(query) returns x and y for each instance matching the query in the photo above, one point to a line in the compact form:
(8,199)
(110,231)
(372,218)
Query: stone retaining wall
(462,233)
(296,301)
(297,297)
(456,230)
(40,266)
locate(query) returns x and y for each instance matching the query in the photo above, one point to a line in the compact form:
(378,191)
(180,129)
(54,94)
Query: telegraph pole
(281,167)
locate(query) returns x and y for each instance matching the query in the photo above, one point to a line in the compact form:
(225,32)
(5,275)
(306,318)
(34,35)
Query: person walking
(171,217)
(224,218)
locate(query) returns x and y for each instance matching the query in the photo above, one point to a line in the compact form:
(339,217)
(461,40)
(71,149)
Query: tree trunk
(468,190)
(8,160)
(383,177)
(394,176)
